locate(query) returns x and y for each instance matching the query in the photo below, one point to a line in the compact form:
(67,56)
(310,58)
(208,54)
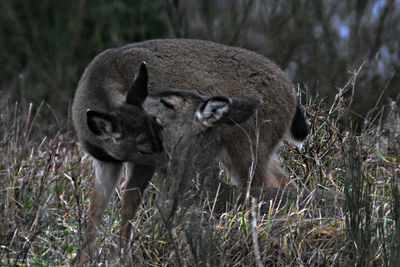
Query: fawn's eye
(167,104)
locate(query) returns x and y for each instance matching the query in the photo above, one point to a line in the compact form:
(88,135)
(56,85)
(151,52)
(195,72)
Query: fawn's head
(128,133)
(188,117)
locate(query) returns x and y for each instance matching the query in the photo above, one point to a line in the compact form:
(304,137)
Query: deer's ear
(231,111)
(138,91)
(104,125)
(213,111)
(241,108)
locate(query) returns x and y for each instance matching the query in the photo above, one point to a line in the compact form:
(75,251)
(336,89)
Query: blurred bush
(45,45)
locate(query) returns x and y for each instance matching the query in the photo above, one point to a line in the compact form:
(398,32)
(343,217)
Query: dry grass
(45,181)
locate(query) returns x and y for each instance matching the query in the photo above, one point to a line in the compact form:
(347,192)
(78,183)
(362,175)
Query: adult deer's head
(127,133)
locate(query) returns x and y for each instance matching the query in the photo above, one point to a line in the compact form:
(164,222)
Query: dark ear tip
(143,71)
(90,112)
(143,67)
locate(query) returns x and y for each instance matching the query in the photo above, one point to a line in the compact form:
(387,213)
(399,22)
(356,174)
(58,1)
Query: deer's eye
(167,104)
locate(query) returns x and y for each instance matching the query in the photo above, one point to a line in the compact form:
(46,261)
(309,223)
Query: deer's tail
(299,128)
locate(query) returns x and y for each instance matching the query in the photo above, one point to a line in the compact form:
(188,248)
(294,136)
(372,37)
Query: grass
(46,180)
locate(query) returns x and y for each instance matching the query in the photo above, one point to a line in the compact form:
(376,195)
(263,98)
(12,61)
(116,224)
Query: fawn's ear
(138,91)
(220,109)
(104,125)
(213,111)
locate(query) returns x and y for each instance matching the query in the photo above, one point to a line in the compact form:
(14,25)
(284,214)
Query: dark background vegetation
(45,45)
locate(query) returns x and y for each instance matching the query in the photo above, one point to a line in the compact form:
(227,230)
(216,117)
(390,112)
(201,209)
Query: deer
(135,103)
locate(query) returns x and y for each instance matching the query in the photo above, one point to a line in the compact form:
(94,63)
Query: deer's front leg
(138,177)
(107,176)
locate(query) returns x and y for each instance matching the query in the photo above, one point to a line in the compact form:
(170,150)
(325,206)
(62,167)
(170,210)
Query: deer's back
(210,68)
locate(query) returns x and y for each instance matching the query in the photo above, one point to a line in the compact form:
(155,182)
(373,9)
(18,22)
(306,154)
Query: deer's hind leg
(249,159)
(263,170)
(276,175)
(138,177)
(107,175)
